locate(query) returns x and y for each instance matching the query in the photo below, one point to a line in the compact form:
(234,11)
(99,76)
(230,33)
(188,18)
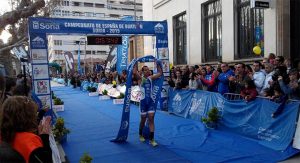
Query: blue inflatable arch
(40,27)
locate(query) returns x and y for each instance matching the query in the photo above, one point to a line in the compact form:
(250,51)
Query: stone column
(283,28)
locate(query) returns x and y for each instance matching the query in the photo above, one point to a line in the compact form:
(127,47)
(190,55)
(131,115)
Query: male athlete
(147,102)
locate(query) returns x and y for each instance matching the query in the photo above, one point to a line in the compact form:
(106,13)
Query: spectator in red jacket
(249,93)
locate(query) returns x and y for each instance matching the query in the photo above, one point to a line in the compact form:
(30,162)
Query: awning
(56,66)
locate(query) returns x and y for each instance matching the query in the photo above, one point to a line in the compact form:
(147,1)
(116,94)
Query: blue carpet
(94,123)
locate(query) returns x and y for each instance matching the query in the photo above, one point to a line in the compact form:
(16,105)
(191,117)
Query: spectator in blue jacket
(223,86)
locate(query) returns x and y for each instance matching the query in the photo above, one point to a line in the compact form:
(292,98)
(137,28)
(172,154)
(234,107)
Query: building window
(58,42)
(212,31)
(100,15)
(65,13)
(57,12)
(76,52)
(85,4)
(58,52)
(89,14)
(65,3)
(114,15)
(179,24)
(127,9)
(97,5)
(76,3)
(76,13)
(101,52)
(249,29)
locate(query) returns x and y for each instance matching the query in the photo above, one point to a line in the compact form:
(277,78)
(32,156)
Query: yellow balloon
(257,50)
(114,82)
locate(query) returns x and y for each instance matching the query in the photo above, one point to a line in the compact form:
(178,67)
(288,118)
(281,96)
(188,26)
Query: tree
(16,23)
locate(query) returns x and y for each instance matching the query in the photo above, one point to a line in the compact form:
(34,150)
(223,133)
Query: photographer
(291,89)
(280,70)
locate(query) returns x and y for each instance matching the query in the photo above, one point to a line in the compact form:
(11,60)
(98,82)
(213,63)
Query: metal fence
(233,97)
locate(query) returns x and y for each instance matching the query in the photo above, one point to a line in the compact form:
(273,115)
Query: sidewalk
(295,159)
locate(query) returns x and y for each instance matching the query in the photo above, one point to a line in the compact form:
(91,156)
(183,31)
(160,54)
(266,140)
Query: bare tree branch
(18,43)
(23,11)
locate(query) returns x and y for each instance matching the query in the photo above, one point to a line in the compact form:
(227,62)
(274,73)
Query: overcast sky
(4,7)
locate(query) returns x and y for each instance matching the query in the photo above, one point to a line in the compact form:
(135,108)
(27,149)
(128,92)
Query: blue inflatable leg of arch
(124,126)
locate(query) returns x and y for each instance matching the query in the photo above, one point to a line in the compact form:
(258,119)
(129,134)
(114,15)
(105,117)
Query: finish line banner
(252,119)
(89,26)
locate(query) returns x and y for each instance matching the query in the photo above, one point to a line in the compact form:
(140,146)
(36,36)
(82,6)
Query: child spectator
(278,96)
(267,92)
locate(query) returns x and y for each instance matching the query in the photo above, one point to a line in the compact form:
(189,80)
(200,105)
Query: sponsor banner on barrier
(163,53)
(40,71)
(41,86)
(45,100)
(118,101)
(104,97)
(252,119)
(58,108)
(38,41)
(166,65)
(39,56)
(162,46)
(93,94)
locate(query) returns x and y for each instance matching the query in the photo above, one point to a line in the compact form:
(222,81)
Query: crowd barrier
(251,119)
(233,96)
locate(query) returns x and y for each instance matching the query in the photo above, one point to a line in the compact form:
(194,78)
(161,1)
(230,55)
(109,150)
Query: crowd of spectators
(273,78)
(97,77)
(24,131)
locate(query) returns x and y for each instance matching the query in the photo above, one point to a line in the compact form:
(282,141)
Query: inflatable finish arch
(40,27)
